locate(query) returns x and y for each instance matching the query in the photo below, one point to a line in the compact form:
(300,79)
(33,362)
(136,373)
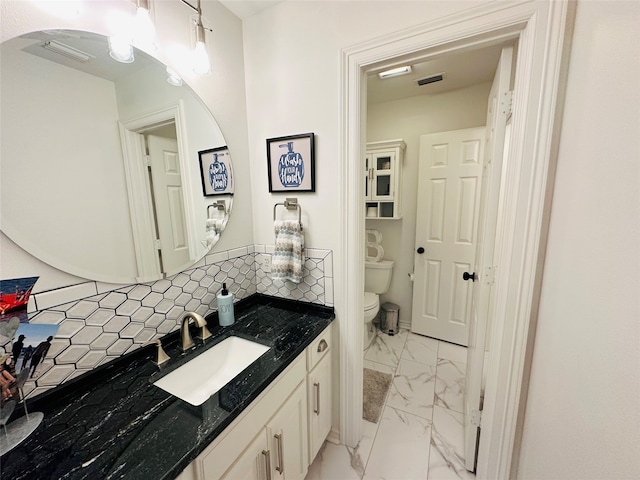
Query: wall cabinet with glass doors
(383,179)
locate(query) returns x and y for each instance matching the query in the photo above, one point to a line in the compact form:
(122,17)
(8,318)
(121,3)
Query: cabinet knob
(323,345)
(469,276)
(420,250)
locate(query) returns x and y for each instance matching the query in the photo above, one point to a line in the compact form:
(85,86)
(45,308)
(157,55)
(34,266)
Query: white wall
(582,417)
(222,92)
(408,119)
(292,58)
(583,409)
(62,166)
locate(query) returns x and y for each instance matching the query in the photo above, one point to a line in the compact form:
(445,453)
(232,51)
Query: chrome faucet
(185,336)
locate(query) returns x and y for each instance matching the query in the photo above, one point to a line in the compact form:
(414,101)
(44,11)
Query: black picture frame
(291,163)
(216,172)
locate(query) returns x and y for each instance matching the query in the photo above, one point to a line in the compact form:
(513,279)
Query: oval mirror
(105,166)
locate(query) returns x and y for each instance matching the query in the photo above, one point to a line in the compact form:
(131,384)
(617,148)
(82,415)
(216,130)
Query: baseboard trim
(334,436)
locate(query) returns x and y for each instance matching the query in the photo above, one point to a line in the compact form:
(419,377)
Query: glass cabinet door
(383,166)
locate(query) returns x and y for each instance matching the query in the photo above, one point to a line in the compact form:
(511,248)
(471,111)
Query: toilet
(377,279)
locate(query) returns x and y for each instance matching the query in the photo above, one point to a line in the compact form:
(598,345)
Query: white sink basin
(197,380)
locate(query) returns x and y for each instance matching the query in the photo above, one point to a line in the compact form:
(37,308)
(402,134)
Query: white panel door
(498,111)
(446,228)
(169,203)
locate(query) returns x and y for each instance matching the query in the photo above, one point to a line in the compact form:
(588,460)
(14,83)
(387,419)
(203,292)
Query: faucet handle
(204,333)
(162,355)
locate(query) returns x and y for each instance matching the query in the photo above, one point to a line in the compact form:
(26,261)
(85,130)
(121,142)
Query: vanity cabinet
(319,392)
(279,451)
(383,179)
(279,434)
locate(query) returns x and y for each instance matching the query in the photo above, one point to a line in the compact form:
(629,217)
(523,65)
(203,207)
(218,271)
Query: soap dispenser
(225,307)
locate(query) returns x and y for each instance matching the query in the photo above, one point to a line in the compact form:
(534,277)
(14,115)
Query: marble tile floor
(420,434)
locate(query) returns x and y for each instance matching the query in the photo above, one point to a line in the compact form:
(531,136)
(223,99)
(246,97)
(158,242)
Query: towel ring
(219,205)
(289,204)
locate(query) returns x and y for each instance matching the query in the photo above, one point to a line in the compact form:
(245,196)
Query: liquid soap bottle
(225,307)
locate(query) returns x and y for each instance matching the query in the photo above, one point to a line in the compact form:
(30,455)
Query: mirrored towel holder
(290,203)
(219,205)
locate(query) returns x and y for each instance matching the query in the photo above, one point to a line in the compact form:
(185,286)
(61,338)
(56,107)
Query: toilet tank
(377,276)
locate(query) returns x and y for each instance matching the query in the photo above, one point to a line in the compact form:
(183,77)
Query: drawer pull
(317,409)
(323,345)
(280,467)
(267,462)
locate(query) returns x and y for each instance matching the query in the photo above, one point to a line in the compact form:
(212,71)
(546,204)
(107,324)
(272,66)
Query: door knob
(420,250)
(469,276)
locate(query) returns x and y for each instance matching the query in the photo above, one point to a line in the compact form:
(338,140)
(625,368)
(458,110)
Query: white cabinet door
(287,432)
(383,178)
(367,176)
(253,464)
(319,404)
(383,165)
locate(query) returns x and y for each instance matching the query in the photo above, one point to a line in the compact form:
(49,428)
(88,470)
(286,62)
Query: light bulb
(120,26)
(145,31)
(120,49)
(173,78)
(201,63)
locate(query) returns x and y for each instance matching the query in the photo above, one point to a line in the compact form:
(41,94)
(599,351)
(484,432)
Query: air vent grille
(432,79)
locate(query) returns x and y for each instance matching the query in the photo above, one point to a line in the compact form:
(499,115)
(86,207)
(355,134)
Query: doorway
(159,201)
(448,223)
(540,28)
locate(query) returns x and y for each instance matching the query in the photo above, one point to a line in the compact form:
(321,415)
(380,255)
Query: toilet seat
(371,301)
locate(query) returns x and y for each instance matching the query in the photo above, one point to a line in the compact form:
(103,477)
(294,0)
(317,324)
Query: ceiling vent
(432,79)
(67,51)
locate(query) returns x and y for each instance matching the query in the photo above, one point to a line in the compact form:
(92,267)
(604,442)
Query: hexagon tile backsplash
(96,327)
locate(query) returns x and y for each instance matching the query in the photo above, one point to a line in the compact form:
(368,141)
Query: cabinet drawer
(319,348)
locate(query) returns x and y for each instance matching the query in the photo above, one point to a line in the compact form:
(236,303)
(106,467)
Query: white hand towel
(288,257)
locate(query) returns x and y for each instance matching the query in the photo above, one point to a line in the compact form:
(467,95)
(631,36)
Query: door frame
(138,188)
(543,30)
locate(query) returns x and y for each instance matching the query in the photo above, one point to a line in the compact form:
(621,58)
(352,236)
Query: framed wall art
(291,163)
(216,172)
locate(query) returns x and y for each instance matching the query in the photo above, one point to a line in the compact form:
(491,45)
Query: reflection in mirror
(99,160)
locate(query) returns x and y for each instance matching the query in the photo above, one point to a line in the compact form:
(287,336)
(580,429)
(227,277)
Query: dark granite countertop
(113,423)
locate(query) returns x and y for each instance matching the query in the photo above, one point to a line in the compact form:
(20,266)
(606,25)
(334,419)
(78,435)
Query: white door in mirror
(168,200)
(197,380)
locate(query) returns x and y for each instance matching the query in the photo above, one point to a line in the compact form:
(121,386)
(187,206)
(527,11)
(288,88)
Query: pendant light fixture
(144,34)
(120,48)
(127,31)
(201,62)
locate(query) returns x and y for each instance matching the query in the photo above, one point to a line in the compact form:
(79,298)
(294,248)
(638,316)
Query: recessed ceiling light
(394,72)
